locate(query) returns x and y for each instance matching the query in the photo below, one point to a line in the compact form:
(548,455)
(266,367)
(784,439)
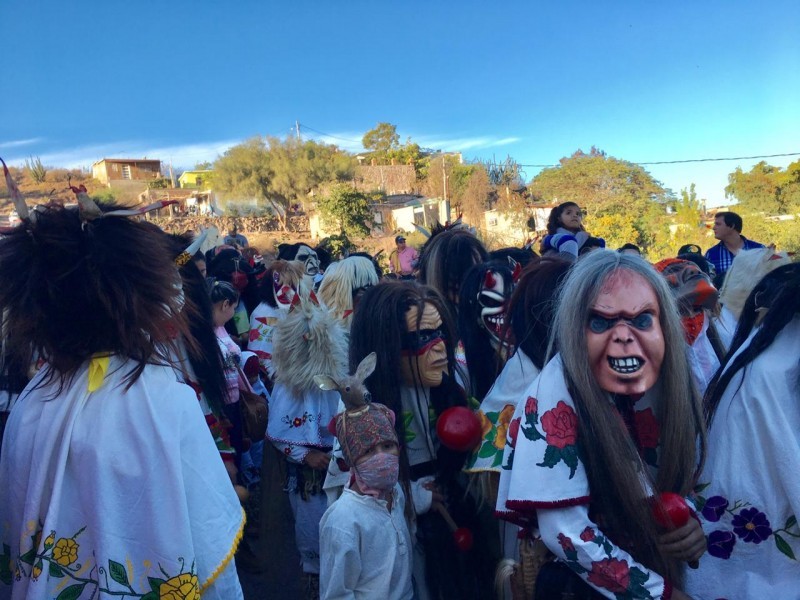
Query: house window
(126,171)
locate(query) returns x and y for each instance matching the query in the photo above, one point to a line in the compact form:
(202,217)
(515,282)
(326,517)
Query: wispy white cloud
(185,156)
(18,143)
(350,141)
(461,144)
(182,155)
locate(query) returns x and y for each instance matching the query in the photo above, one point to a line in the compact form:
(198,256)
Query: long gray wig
(611,458)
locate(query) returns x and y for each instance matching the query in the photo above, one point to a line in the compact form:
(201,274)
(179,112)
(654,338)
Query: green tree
(279,173)
(766,189)
(604,185)
(381,139)
(348,210)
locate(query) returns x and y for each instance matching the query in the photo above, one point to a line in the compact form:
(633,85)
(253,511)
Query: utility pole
(171,173)
(297,129)
(444,180)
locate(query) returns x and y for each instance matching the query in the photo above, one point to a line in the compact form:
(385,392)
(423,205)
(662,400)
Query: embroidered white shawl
(497,409)
(115,490)
(749,492)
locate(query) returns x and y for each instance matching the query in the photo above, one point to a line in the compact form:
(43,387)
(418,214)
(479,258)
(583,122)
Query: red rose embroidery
(561,426)
(646,428)
(566,543)
(587,535)
(253,335)
(531,406)
(297,422)
(611,574)
(513,431)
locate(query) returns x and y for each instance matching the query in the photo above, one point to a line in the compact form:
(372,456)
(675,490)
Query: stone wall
(296,224)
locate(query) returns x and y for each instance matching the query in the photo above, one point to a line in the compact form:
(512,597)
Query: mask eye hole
(599,324)
(643,321)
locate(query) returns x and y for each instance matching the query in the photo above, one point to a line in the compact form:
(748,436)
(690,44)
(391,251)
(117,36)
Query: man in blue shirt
(728,230)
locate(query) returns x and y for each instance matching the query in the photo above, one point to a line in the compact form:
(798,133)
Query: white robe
(749,491)
(113,490)
(365,550)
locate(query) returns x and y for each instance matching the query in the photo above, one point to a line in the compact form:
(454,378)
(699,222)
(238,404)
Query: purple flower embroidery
(721,543)
(714,508)
(752,526)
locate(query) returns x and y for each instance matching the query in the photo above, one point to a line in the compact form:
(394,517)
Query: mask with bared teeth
(623,334)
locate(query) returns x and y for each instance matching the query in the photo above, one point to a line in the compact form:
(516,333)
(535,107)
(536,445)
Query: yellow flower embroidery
(50,540)
(65,551)
(486,424)
(37,570)
(502,427)
(180,587)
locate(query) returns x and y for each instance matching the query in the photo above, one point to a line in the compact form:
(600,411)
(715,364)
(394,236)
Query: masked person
(110,484)
(365,544)
(589,448)
(750,486)
(414,377)
(697,301)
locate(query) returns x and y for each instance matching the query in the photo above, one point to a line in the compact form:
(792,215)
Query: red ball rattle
(462,536)
(459,429)
(670,511)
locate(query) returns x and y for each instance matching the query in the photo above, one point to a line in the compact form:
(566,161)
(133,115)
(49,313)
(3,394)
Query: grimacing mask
(623,335)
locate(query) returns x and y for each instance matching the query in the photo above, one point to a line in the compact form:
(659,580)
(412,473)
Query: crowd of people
(568,421)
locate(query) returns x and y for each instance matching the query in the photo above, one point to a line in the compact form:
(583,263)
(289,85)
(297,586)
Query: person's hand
(317,460)
(687,543)
(437,495)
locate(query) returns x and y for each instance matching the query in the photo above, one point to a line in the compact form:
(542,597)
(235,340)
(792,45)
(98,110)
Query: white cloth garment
(749,491)
(497,409)
(114,490)
(366,550)
(299,424)
(702,358)
(262,329)
(544,483)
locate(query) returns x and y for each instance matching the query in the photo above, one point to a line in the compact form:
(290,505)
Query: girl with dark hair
(414,377)
(107,459)
(750,485)
(565,233)
(612,421)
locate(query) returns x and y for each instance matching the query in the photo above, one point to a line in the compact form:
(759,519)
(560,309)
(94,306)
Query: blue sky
(183,81)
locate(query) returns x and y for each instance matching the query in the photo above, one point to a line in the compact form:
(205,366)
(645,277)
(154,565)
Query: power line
(689,160)
(335,137)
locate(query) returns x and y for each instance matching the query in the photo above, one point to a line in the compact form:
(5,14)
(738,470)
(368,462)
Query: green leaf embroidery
(552,456)
(498,459)
(570,456)
(118,572)
(487,450)
(531,432)
(790,522)
(700,487)
(73,592)
(510,462)
(55,570)
(784,547)
(151,596)
(29,556)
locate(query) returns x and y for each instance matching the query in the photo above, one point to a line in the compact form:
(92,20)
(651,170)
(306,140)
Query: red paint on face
(426,368)
(626,358)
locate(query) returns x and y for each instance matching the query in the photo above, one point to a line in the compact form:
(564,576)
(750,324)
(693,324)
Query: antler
(16,195)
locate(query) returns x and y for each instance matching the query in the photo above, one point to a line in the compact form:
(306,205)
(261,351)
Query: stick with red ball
(462,536)
(670,511)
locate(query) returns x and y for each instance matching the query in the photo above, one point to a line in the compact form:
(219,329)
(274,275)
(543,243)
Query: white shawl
(114,490)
